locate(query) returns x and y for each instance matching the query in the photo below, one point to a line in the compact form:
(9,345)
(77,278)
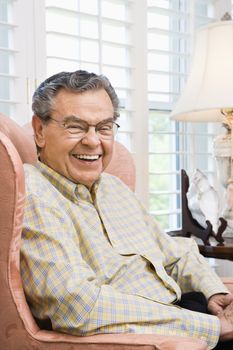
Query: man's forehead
(83,101)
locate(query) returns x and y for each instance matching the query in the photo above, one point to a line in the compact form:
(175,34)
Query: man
(92,260)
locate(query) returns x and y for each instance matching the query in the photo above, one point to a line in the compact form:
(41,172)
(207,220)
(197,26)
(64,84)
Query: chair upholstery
(18,329)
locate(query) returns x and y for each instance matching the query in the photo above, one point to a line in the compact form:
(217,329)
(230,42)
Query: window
(7,57)
(144,48)
(173,146)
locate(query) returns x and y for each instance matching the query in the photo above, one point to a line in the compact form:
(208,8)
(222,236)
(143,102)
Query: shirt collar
(68,188)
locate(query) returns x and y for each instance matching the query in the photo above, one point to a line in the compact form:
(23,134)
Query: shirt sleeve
(184,263)
(59,285)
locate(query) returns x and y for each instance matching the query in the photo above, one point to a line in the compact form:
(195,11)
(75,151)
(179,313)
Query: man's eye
(106,127)
(76,127)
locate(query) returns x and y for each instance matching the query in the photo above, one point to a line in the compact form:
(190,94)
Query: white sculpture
(203,201)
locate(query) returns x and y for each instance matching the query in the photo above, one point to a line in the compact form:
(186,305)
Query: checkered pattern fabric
(96,262)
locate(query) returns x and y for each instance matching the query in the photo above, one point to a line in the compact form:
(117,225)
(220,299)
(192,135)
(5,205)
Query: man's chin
(87,181)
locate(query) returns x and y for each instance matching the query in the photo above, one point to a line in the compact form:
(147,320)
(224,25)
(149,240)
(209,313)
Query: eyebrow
(74,118)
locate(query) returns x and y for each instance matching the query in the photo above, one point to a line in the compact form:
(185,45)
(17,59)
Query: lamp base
(222,151)
(222,154)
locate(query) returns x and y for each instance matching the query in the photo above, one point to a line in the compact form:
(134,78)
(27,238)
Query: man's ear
(39,131)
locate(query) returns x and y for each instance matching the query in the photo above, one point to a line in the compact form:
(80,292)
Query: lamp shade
(209,87)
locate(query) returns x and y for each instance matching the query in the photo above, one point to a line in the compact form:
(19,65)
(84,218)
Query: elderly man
(92,259)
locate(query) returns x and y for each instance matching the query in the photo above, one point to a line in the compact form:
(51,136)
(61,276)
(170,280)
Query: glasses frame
(75,119)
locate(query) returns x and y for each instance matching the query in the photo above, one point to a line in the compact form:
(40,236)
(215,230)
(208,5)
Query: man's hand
(218,302)
(226,321)
(221,305)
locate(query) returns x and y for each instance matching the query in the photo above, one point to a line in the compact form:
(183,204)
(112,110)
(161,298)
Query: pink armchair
(18,329)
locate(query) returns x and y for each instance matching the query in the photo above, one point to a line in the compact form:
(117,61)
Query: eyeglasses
(106,129)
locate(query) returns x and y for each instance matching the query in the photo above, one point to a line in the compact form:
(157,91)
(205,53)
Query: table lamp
(208,96)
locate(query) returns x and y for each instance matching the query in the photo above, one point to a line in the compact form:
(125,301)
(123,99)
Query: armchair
(18,329)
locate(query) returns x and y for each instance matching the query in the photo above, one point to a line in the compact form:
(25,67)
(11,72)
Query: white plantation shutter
(95,36)
(21,56)
(7,57)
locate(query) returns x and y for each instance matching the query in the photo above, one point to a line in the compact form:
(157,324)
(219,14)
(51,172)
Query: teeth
(86,156)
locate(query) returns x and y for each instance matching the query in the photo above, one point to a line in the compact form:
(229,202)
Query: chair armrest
(123,341)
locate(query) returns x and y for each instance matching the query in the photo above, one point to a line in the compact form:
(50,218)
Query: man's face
(79,160)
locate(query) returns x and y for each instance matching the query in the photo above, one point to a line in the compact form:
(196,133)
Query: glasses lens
(76,128)
(107,130)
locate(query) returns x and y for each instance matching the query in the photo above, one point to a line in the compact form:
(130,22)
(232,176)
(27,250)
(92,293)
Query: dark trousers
(196,301)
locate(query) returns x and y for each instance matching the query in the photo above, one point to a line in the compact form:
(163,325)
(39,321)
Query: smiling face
(79,160)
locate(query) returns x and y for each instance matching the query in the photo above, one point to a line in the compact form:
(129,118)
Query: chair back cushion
(21,137)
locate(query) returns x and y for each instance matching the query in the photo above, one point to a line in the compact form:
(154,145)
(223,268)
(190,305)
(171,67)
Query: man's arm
(185,264)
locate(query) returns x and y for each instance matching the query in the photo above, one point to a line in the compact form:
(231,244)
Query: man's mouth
(87,157)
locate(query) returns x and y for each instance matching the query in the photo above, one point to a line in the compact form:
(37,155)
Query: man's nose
(91,138)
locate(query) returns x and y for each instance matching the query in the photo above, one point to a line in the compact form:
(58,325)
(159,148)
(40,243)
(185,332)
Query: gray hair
(78,81)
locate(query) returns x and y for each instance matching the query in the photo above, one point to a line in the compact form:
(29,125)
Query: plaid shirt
(97,262)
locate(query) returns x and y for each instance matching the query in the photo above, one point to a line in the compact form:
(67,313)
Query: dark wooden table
(224,251)
(215,250)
